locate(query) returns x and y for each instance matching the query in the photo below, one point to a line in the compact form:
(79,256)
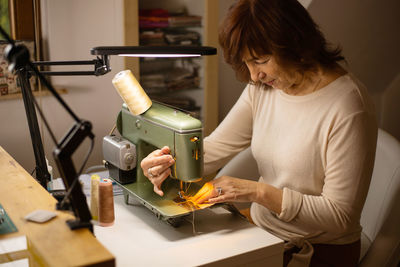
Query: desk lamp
(19,61)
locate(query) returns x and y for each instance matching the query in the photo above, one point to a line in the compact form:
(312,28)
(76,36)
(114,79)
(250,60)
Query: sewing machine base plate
(167,208)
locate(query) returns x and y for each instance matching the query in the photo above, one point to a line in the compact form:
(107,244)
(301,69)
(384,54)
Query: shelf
(207,96)
(174,91)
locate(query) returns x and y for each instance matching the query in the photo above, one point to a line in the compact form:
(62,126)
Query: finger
(158,190)
(157,157)
(199,196)
(165,150)
(203,198)
(157,181)
(202,192)
(157,170)
(162,151)
(218,199)
(153,162)
(162,160)
(157,152)
(211,193)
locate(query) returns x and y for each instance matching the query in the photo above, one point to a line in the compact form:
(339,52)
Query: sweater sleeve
(350,154)
(231,136)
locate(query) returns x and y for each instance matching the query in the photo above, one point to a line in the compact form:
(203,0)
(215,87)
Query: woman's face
(265,69)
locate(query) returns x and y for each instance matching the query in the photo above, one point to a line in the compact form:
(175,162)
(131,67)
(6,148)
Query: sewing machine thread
(131,92)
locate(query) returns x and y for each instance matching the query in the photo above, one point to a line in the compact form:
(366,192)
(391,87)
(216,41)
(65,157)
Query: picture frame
(21,20)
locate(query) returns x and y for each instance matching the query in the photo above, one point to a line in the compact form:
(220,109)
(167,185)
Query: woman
(311,128)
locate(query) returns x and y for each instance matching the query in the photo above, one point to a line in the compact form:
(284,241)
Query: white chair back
(380,219)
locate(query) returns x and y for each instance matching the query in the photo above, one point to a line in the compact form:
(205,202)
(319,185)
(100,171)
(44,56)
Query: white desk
(138,238)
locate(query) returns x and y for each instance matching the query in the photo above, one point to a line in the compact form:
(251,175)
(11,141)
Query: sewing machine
(159,126)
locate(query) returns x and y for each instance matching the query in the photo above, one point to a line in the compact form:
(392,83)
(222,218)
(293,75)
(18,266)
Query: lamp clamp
(102,65)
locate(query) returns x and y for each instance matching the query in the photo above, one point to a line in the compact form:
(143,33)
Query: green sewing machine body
(162,126)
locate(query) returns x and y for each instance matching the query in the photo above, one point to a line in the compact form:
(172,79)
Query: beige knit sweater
(319,148)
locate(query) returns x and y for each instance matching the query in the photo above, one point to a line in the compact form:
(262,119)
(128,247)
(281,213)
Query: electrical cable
(95,167)
(45,121)
(67,195)
(113,129)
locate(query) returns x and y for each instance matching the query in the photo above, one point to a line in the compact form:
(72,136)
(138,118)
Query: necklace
(306,92)
(303,91)
(316,86)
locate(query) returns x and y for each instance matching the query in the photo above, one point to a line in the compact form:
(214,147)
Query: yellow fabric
(193,201)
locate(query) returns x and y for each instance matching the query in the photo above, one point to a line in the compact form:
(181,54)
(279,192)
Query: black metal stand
(42,174)
(19,59)
(63,156)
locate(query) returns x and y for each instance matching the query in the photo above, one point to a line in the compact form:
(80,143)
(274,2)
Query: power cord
(64,203)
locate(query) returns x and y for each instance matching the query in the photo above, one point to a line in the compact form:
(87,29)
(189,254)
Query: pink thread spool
(106,203)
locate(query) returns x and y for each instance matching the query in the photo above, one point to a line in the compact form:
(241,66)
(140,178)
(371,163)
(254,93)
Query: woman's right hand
(156,167)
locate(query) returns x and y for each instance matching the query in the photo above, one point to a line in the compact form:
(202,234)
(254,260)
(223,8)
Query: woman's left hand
(230,189)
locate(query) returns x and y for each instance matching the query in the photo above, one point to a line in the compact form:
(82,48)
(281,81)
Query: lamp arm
(101,66)
(53,91)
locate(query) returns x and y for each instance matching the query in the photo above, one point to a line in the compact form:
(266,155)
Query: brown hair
(282,28)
